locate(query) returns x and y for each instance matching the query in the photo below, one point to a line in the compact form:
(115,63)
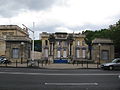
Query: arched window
(59,52)
(77,52)
(64,53)
(83,51)
(78,43)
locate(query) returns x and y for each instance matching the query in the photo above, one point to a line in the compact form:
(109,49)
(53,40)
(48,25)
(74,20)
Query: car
(115,64)
(3,60)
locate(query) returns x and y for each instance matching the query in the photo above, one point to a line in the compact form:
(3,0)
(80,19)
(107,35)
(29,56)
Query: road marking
(119,76)
(62,74)
(73,84)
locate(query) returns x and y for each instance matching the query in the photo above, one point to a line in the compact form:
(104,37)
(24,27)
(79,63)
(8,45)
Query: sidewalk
(69,66)
(53,66)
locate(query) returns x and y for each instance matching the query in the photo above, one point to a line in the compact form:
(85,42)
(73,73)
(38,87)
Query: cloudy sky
(60,15)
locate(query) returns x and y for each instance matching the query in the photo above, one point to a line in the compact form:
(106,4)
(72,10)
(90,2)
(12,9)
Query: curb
(66,68)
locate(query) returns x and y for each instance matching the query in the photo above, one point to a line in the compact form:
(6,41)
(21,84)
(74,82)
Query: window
(78,53)
(58,43)
(83,53)
(65,43)
(15,53)
(64,53)
(104,55)
(58,54)
(118,61)
(78,43)
(46,42)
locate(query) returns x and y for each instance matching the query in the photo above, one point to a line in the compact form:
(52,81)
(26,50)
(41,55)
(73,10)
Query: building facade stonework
(15,43)
(102,50)
(63,46)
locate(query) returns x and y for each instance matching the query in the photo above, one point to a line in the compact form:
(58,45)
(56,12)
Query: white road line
(119,76)
(73,84)
(62,74)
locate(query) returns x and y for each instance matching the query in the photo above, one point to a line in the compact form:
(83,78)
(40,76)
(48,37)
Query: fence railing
(46,63)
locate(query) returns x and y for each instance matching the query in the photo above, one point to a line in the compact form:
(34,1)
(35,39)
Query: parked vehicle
(115,64)
(3,60)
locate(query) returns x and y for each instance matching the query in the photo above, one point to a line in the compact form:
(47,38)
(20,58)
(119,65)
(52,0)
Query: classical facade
(102,50)
(15,43)
(63,46)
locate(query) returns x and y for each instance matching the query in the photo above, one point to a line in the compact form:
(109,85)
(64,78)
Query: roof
(13,27)
(101,40)
(60,33)
(18,38)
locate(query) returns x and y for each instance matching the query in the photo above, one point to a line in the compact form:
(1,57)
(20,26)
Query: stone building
(15,43)
(102,50)
(63,47)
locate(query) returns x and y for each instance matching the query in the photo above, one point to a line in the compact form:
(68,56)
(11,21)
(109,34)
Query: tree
(113,33)
(89,37)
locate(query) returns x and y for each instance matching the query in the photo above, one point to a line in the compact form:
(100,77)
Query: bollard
(73,62)
(16,63)
(42,63)
(46,62)
(82,63)
(87,64)
(77,62)
(27,63)
(97,64)
(38,63)
(6,64)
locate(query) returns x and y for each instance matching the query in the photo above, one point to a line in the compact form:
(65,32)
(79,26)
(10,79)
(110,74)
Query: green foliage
(89,36)
(112,33)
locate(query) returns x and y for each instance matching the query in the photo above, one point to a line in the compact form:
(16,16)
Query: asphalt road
(45,79)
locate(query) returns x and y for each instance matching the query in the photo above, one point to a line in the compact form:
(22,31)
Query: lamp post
(99,53)
(22,45)
(32,41)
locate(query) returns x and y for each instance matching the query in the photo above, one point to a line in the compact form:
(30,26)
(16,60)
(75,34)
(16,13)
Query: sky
(60,15)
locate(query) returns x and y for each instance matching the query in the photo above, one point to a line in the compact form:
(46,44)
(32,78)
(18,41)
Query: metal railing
(86,64)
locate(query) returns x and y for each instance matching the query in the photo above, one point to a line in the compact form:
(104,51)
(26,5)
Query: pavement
(53,66)
(69,66)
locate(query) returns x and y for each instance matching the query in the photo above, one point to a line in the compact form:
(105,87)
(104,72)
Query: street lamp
(22,45)
(32,41)
(99,53)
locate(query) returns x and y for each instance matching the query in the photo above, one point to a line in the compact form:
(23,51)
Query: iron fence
(47,64)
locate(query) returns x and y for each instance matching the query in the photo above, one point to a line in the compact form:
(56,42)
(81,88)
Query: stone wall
(102,50)
(2,48)
(15,41)
(37,55)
